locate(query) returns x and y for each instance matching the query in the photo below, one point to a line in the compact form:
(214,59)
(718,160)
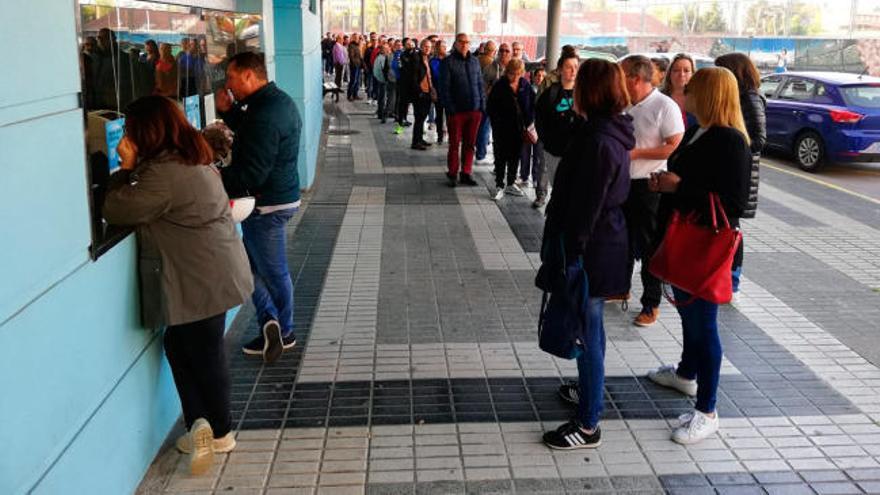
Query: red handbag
(697,259)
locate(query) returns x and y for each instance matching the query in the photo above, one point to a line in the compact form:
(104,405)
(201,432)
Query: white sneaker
(695,426)
(499,193)
(485,159)
(514,190)
(735,298)
(667,377)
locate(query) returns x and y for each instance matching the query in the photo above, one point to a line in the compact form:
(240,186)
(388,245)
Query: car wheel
(809,151)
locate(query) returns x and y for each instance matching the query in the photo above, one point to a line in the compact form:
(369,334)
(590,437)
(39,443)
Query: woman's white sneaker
(667,377)
(695,427)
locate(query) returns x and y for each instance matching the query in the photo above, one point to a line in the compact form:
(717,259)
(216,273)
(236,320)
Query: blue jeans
(735,274)
(354,81)
(701,353)
(591,367)
(265,242)
(483,137)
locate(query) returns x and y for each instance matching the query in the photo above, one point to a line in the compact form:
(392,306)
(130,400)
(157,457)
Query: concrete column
(459,16)
(404,12)
(554,12)
(364,16)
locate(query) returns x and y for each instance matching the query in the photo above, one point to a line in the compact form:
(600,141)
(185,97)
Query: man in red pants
(463,97)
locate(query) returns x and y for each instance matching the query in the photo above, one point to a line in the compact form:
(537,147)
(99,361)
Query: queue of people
(619,153)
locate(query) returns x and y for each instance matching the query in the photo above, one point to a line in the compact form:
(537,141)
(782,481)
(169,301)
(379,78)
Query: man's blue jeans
(591,367)
(265,242)
(701,352)
(483,137)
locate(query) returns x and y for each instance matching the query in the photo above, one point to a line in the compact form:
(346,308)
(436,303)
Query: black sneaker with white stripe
(569,392)
(570,436)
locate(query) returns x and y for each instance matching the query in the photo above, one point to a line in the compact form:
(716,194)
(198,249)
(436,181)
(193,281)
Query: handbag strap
(715,202)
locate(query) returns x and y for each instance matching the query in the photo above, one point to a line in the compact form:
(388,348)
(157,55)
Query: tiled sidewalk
(417,369)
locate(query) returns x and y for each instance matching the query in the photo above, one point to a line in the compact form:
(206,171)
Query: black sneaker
(570,436)
(406,123)
(467,180)
(288,341)
(419,147)
(255,346)
(273,346)
(570,392)
(450,180)
(425,143)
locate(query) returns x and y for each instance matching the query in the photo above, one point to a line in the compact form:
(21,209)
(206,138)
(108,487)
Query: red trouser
(463,128)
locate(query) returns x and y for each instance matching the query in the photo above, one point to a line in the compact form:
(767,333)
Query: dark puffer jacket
(461,84)
(754,108)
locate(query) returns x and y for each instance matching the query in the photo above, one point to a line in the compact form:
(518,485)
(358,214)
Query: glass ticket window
(129,49)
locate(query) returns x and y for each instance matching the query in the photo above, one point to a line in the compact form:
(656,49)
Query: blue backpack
(563,321)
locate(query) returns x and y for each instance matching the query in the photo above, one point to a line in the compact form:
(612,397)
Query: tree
(765,19)
(696,20)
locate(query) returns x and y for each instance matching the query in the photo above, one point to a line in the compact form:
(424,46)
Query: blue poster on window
(193,111)
(113,131)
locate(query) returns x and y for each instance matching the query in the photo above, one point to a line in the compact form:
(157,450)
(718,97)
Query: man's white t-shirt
(656,118)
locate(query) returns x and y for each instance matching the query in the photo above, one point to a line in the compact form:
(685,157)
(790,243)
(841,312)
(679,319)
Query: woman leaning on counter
(192,262)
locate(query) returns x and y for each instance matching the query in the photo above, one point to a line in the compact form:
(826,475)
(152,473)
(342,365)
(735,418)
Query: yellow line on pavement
(821,182)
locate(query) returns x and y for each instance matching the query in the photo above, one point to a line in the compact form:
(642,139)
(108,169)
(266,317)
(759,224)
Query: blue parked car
(823,117)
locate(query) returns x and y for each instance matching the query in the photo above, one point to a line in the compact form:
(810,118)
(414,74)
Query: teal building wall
(87,396)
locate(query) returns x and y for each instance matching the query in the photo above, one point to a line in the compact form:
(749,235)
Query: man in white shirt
(658,131)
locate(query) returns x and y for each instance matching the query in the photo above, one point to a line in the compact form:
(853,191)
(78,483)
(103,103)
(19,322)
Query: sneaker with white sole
(202,456)
(695,426)
(571,436)
(514,190)
(667,377)
(570,392)
(498,194)
(222,445)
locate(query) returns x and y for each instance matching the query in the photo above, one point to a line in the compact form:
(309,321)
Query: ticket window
(129,49)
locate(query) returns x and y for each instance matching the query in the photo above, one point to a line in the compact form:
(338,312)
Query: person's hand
(222,100)
(127,153)
(666,182)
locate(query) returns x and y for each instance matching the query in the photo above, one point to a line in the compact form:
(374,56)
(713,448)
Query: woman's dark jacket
(461,84)
(555,119)
(590,186)
(509,115)
(720,161)
(754,108)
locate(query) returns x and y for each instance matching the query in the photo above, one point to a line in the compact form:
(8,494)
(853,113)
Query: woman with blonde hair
(713,157)
(681,70)
(510,113)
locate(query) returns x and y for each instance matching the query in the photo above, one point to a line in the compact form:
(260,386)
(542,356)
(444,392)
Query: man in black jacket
(421,87)
(267,128)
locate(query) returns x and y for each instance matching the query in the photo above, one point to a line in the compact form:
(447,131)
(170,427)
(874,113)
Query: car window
(867,96)
(798,89)
(769,85)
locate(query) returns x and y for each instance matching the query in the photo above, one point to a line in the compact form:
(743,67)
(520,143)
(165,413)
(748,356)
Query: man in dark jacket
(464,98)
(267,128)
(421,87)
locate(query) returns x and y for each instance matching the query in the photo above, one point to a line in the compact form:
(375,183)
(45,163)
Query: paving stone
(835,488)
